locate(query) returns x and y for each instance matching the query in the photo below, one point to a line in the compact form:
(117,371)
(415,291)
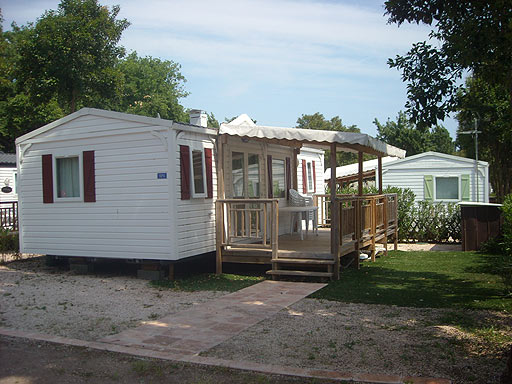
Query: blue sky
(272,59)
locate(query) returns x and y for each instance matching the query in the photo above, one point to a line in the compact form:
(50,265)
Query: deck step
(247,251)
(283,272)
(284,260)
(304,255)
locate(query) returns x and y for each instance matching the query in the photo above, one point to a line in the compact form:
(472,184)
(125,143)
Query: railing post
(358,228)
(396,222)
(385,219)
(373,215)
(219,220)
(275,229)
(14,215)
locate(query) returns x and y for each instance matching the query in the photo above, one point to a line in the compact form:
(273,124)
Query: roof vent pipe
(198,117)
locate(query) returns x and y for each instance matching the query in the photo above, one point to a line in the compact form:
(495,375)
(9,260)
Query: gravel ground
(311,333)
(34,297)
(374,338)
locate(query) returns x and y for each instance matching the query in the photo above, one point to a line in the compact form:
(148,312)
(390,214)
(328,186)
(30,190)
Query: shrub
(9,241)
(507,224)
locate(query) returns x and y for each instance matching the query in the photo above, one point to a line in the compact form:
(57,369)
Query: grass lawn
(424,279)
(209,282)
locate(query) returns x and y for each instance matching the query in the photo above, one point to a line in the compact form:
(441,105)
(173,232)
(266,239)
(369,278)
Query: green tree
(318,121)
(212,121)
(402,133)
(71,53)
(491,105)
(152,87)
(473,36)
(18,112)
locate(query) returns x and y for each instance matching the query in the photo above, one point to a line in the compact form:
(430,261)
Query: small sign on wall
(6,189)
(161,175)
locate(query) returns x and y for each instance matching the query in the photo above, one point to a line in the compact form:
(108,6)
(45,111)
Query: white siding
(7,178)
(318,158)
(195,219)
(130,218)
(410,174)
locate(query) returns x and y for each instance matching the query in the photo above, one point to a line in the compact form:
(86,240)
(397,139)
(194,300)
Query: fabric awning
(348,141)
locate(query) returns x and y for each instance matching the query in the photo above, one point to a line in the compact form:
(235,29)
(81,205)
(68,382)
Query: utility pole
(475,132)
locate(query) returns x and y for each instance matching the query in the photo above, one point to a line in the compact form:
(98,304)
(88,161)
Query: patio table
(300,213)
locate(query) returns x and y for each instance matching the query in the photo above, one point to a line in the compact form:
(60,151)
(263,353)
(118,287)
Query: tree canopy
(151,86)
(491,105)
(474,36)
(402,133)
(71,58)
(318,121)
(71,53)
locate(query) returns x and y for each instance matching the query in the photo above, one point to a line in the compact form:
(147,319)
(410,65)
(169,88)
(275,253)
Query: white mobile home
(8,177)
(310,170)
(112,185)
(103,184)
(439,177)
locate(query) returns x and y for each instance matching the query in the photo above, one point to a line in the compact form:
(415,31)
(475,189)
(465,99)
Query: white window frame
(14,187)
(246,152)
(312,189)
(448,177)
(64,155)
(283,159)
(194,194)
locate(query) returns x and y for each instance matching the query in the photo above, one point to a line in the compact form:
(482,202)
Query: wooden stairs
(302,265)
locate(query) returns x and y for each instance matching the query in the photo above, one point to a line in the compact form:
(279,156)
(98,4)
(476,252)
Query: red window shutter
(209,172)
(89,177)
(314,176)
(47,179)
(304,177)
(288,177)
(269,172)
(185,172)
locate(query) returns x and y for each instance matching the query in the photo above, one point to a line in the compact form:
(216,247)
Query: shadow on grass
(423,279)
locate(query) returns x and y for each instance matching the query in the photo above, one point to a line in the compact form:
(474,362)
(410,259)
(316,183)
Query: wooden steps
(246,256)
(285,272)
(303,261)
(303,265)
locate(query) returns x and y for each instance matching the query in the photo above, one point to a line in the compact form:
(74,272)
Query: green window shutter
(428,187)
(464,181)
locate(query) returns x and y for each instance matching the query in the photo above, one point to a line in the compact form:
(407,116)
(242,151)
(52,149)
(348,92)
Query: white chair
(297,200)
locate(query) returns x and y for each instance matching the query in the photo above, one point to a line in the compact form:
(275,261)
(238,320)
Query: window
(68,177)
(15,177)
(447,188)
(253,175)
(311,186)
(278,178)
(198,180)
(238,173)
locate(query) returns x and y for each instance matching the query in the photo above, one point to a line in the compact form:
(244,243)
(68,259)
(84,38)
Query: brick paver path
(205,325)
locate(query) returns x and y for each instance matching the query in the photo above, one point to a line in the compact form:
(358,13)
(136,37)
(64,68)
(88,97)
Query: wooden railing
(247,223)
(9,215)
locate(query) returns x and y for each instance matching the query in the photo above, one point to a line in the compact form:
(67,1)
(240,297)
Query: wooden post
(335,221)
(380,174)
(171,272)
(275,233)
(219,227)
(360,174)
(396,223)
(373,215)
(386,223)
(358,231)
(295,181)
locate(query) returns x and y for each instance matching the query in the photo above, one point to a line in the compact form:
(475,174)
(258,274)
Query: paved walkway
(204,326)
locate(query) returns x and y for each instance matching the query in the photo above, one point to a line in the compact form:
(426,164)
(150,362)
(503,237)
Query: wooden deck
(248,234)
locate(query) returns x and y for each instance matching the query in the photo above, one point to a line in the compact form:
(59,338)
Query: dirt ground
(311,333)
(29,362)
